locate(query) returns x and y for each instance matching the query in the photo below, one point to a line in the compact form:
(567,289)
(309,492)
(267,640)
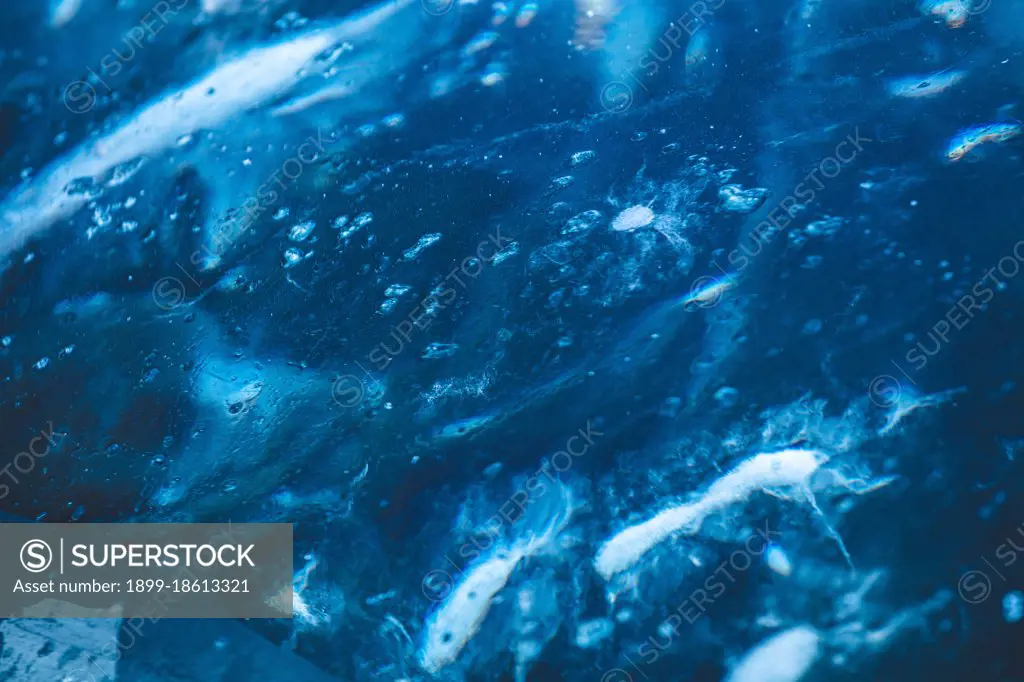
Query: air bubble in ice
(735,199)
(633,218)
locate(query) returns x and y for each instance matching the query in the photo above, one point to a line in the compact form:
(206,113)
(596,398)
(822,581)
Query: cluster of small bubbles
(363,219)
(290,21)
(349,231)
(292,257)
(1013,606)
(494,73)
(510,250)
(387,306)
(502,11)
(723,176)
(580,158)
(123,172)
(558,212)
(381,598)
(727,396)
(436,350)
(735,199)
(424,242)
(442,85)
(301,231)
(561,183)
(583,222)
(812,263)
(281,213)
(471,386)
(592,632)
(479,43)
(393,120)
(233,280)
(670,407)
(526,14)
(339,222)
(101,216)
(42,363)
(395,290)
(826,227)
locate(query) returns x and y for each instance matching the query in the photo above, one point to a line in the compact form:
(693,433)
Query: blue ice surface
(434,320)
